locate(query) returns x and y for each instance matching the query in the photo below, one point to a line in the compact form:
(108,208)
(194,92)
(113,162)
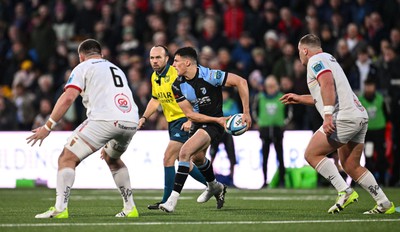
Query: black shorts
(215,131)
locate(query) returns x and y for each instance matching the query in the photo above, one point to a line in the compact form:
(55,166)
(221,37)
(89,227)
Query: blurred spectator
(376,30)
(363,69)
(344,57)
(354,39)
(272,49)
(183,33)
(258,61)
(313,26)
(395,40)
(176,11)
(337,25)
(252,18)
(328,42)
(85,18)
(359,9)
(284,66)
(390,74)
(269,113)
(269,21)
(45,90)
(45,107)
(241,53)
(375,143)
(210,35)
(225,60)
(234,17)
(43,39)
(290,26)
(23,100)
(25,76)
(300,87)
(7,115)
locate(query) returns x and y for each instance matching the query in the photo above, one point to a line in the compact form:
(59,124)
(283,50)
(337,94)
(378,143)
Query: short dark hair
(90,47)
(187,52)
(162,46)
(311,40)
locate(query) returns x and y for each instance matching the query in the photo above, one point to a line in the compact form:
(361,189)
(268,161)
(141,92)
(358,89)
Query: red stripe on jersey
(73,86)
(326,70)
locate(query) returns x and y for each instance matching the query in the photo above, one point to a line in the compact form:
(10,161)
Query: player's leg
(350,155)
(266,141)
(320,145)
(74,152)
(214,188)
(111,153)
(278,144)
(199,141)
(230,151)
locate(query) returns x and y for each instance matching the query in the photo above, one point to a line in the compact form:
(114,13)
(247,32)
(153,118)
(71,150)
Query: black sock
(180,178)
(207,170)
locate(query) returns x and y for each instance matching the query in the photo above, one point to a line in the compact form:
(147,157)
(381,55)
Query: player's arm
(328,95)
(292,98)
(243,90)
(62,105)
(193,116)
(150,109)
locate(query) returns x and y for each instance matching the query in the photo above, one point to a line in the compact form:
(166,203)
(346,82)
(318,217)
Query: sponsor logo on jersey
(123,103)
(70,78)
(318,66)
(218,75)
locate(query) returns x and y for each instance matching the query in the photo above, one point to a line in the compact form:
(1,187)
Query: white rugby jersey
(347,105)
(105,91)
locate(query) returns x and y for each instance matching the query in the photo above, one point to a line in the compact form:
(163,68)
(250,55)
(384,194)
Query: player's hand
(328,125)
(290,98)
(142,121)
(39,133)
(186,126)
(222,121)
(247,119)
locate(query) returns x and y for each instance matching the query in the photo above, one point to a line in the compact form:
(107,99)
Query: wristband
(53,123)
(144,118)
(46,127)
(329,109)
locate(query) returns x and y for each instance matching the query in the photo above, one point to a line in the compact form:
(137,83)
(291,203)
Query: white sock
(122,180)
(65,180)
(368,182)
(329,171)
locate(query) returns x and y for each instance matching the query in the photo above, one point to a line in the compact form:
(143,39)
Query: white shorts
(349,130)
(115,135)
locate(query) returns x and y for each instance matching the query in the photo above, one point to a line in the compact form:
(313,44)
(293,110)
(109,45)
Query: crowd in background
(252,38)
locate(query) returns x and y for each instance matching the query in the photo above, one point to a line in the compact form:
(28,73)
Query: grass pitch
(245,210)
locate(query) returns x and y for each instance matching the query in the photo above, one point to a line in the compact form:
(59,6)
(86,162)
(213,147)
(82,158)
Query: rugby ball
(235,125)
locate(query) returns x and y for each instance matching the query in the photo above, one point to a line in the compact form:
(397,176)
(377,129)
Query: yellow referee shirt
(162,91)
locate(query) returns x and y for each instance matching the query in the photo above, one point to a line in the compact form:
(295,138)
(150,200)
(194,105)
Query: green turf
(245,210)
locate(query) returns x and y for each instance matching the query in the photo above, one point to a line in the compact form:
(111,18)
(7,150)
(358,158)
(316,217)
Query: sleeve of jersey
(318,67)
(216,77)
(177,91)
(76,80)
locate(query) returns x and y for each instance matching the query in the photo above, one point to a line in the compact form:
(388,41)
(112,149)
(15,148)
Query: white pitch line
(197,223)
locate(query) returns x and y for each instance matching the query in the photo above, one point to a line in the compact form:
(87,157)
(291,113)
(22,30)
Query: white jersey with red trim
(105,91)
(347,105)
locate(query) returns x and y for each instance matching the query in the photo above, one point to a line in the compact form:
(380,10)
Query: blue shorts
(175,132)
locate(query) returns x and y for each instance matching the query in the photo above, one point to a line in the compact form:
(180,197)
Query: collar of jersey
(164,73)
